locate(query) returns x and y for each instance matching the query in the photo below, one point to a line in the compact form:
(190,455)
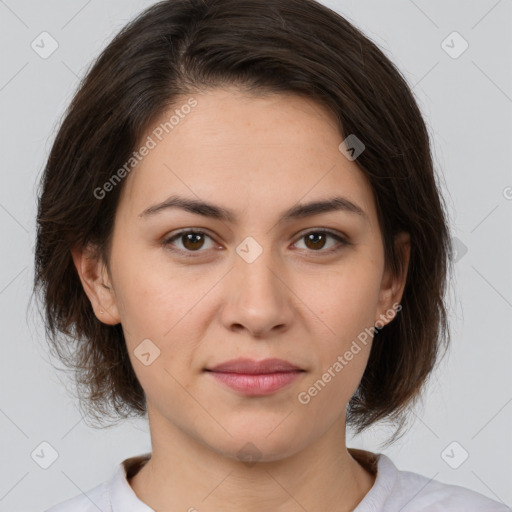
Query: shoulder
(417,493)
(91,501)
(115,493)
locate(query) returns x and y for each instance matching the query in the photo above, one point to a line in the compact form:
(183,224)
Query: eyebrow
(213,211)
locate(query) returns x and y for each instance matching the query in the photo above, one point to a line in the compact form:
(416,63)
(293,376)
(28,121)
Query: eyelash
(192,254)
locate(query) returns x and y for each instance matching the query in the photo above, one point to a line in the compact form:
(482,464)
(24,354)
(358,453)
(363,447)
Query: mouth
(256,378)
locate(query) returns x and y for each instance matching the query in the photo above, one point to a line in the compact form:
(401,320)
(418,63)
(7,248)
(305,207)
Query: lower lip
(257,385)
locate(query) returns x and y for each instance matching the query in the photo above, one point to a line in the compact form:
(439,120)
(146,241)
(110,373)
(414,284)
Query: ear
(392,285)
(97,284)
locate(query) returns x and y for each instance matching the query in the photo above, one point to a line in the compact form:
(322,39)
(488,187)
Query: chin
(257,445)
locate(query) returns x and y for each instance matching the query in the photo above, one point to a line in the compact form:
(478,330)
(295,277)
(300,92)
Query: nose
(258,297)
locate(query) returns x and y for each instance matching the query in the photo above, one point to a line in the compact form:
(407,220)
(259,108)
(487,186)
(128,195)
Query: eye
(192,241)
(316,240)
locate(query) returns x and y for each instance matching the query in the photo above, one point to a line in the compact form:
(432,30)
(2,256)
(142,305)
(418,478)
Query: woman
(240,234)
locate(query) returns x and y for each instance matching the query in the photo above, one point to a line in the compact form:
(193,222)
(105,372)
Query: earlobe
(96,283)
(392,285)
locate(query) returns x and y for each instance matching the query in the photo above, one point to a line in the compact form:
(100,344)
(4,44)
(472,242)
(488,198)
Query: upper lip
(250,366)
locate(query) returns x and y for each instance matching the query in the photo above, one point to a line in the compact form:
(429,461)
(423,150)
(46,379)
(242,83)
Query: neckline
(367,459)
(378,464)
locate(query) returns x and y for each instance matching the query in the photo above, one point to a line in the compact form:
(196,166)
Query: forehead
(245,151)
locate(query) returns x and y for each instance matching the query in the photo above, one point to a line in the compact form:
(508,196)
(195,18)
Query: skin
(257,156)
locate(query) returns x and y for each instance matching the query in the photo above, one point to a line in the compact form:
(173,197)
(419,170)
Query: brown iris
(316,239)
(192,241)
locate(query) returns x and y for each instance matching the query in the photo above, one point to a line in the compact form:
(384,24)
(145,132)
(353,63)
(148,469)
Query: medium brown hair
(181,47)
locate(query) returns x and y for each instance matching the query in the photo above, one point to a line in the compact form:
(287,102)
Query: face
(255,283)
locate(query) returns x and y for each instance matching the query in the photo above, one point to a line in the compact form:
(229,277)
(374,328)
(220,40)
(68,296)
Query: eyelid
(332,232)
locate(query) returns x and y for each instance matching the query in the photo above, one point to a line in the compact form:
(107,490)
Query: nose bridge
(256,267)
(259,296)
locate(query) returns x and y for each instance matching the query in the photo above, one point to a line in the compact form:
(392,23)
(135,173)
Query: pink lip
(256,378)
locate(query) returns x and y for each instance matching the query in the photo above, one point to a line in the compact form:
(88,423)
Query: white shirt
(393,491)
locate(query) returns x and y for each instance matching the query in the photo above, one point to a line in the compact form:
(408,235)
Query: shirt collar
(122,496)
(385,482)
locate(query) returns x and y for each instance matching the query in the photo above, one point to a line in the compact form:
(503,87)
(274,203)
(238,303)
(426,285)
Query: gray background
(467,102)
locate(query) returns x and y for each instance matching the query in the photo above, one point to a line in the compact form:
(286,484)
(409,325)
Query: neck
(183,473)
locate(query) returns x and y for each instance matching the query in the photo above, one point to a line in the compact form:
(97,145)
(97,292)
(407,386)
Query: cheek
(346,307)
(160,304)
(151,296)
(346,302)
(345,299)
